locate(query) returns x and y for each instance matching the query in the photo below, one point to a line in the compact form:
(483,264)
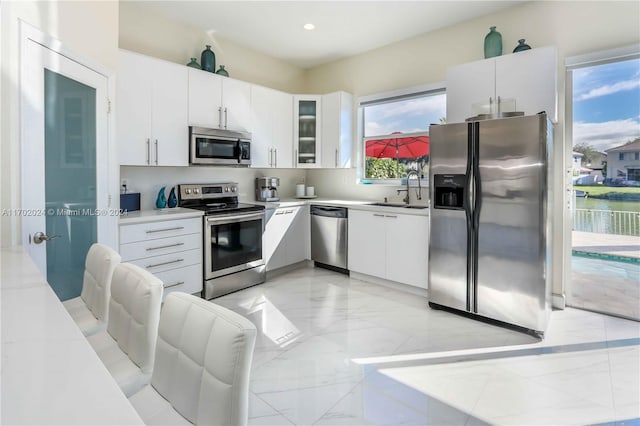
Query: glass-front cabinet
(307,134)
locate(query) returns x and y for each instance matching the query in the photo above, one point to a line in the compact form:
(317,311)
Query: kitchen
(112,27)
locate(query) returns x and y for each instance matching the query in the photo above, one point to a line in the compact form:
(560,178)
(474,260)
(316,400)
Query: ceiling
(342,28)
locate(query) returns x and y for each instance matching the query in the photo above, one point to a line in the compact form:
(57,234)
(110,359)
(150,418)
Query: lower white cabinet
(169,249)
(286,236)
(391,246)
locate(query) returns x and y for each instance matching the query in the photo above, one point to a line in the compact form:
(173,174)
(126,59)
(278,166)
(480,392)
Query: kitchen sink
(401,205)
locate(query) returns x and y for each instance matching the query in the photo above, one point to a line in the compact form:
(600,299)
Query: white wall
(88,29)
(174,41)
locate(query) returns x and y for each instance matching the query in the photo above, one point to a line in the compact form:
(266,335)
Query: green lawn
(601,189)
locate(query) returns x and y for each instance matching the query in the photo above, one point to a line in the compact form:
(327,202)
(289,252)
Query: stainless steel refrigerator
(489,247)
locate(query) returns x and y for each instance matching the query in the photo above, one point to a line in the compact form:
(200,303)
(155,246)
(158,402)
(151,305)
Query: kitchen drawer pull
(279,213)
(389,215)
(378,215)
(174,284)
(165,263)
(177,228)
(164,247)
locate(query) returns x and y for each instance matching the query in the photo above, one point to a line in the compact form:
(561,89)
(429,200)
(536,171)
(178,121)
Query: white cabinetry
(286,236)
(529,77)
(169,249)
(218,102)
(307,130)
(337,130)
(390,246)
(272,131)
(151,111)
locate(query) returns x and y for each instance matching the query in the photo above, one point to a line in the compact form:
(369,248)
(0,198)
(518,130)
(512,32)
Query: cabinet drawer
(169,261)
(162,229)
(152,248)
(187,279)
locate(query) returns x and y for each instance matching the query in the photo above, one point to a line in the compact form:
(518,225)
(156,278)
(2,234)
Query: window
(621,156)
(633,174)
(395,132)
(636,156)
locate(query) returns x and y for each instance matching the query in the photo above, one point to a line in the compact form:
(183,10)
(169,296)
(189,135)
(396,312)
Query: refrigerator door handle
(477,206)
(468,209)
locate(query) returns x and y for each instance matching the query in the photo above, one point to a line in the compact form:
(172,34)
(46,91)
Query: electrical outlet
(124,184)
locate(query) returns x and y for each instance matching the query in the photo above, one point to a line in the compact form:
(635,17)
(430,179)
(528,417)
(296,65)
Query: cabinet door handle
(156,152)
(165,263)
(279,213)
(378,215)
(392,216)
(177,228)
(220,117)
(336,158)
(225,117)
(148,151)
(275,157)
(270,157)
(164,247)
(295,158)
(174,284)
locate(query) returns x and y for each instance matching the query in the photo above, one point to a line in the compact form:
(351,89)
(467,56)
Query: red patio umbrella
(403,147)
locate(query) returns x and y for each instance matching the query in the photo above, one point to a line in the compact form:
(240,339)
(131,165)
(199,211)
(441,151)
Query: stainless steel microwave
(219,147)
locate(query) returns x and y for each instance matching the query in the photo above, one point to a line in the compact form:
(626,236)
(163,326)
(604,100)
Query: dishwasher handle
(329,211)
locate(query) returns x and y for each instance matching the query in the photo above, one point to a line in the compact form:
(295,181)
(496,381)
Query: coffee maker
(267,188)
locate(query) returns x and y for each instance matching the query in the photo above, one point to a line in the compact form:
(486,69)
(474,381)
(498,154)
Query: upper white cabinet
(218,102)
(337,130)
(272,131)
(151,111)
(529,77)
(307,130)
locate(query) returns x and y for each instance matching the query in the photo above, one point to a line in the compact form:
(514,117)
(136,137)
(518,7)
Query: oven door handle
(234,218)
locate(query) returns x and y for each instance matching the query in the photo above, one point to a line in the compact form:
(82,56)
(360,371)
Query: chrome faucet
(418,192)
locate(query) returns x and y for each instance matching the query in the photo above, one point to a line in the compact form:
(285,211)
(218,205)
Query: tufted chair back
(203,360)
(134,312)
(96,285)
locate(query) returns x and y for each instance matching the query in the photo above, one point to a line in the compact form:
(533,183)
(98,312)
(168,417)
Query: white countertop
(50,373)
(351,204)
(143,216)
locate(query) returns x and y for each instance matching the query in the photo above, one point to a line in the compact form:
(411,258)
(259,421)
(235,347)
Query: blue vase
(208,60)
(521,46)
(161,201)
(194,64)
(492,43)
(222,71)
(172,201)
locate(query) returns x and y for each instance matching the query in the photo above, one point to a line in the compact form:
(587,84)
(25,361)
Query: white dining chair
(202,366)
(90,309)
(127,346)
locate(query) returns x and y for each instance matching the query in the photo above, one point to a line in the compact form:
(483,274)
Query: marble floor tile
(336,350)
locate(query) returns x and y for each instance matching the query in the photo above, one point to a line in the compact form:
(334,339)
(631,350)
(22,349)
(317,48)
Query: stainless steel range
(232,245)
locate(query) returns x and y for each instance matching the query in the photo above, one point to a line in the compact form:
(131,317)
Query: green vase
(521,46)
(161,200)
(208,59)
(492,43)
(194,64)
(222,71)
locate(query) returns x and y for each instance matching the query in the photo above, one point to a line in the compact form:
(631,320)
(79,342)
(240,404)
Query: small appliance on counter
(267,189)
(130,201)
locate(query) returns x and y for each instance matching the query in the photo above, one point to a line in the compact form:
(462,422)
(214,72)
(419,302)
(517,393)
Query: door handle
(148,151)
(275,157)
(156,152)
(220,117)
(225,117)
(40,237)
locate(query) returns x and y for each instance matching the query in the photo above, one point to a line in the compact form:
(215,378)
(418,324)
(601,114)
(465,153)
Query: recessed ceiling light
(309,27)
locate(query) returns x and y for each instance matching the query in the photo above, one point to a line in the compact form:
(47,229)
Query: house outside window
(636,156)
(621,156)
(395,133)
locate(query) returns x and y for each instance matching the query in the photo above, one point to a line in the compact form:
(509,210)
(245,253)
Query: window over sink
(394,129)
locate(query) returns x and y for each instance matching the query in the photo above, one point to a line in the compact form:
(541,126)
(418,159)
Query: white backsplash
(149,180)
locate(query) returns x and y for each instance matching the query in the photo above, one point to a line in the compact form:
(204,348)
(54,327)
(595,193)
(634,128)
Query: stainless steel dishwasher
(329,237)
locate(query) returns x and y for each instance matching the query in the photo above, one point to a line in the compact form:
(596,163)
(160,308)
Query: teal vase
(521,46)
(492,43)
(194,64)
(222,71)
(172,201)
(161,201)
(208,59)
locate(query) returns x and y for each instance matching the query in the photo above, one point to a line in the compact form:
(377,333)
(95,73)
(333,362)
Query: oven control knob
(196,191)
(187,191)
(226,189)
(233,189)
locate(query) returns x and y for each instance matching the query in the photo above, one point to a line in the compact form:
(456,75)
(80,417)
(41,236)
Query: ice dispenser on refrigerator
(449,192)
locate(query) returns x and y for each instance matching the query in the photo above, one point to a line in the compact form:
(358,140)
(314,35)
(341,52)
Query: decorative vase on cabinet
(194,64)
(222,71)
(492,43)
(208,59)
(161,200)
(172,201)
(521,46)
